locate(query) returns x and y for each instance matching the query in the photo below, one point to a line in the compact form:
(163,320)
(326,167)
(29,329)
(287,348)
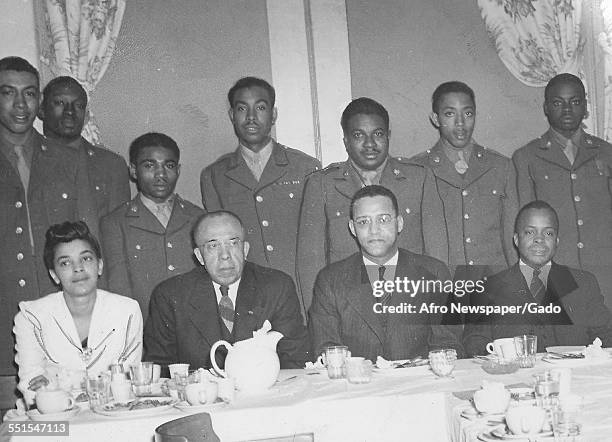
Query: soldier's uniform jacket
(269,209)
(581,195)
(52,199)
(139,253)
(324,236)
(478,208)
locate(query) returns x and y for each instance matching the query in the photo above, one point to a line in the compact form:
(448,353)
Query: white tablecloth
(400,404)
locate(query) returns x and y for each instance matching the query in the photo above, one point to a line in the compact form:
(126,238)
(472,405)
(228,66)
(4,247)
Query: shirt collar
(152,205)
(391,262)
(232,291)
(576,137)
(452,153)
(377,173)
(260,157)
(527,271)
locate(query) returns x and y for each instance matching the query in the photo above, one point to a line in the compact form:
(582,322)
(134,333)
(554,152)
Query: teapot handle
(213,351)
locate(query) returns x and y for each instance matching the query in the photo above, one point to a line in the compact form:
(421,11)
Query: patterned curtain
(605,42)
(78,39)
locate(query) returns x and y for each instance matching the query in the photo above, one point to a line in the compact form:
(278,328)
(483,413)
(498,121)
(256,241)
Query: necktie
(461,166)
(381,273)
(570,151)
(226,308)
(537,286)
(162,214)
(22,168)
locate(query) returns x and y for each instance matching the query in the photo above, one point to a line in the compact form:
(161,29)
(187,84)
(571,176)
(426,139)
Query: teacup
(525,419)
(121,389)
(201,393)
(492,400)
(53,401)
(333,358)
(504,348)
(180,369)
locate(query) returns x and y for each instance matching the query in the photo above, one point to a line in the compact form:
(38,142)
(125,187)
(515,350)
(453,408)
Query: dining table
(399,404)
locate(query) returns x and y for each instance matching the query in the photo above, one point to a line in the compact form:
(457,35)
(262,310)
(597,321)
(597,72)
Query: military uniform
(139,253)
(478,207)
(324,236)
(581,195)
(52,199)
(269,208)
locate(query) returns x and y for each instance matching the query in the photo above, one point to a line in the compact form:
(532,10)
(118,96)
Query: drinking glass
(335,357)
(141,375)
(567,419)
(442,362)
(358,370)
(547,389)
(526,348)
(98,390)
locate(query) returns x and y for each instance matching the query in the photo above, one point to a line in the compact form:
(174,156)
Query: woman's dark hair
(64,233)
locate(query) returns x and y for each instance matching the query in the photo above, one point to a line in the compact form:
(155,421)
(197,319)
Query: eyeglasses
(217,245)
(381,220)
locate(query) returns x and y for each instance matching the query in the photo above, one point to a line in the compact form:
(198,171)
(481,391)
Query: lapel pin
(548,144)
(396,172)
(436,159)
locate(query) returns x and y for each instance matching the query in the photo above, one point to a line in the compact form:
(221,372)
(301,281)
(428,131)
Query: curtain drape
(78,40)
(605,42)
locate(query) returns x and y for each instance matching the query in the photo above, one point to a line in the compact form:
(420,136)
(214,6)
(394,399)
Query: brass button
(580,222)
(265,223)
(171,267)
(169,245)
(468,240)
(580,245)
(407,210)
(471,263)
(573,176)
(22,283)
(19,204)
(269,248)
(18,230)
(20,256)
(577,198)
(464,193)
(466,216)
(259,198)
(65,196)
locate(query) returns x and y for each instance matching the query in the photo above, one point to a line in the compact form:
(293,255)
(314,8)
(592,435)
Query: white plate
(36,415)
(188,408)
(115,409)
(503,433)
(574,349)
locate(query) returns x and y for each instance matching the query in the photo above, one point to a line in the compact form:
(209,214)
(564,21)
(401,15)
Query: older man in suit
(227,298)
(558,304)
(102,177)
(37,189)
(345,308)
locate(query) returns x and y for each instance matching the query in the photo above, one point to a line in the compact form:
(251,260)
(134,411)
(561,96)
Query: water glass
(334,358)
(547,389)
(141,375)
(358,370)
(526,348)
(98,391)
(181,381)
(567,419)
(442,362)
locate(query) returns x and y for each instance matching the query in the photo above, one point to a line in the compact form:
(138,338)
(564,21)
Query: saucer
(504,433)
(36,415)
(573,349)
(188,408)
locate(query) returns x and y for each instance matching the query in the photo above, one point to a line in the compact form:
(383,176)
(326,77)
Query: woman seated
(79,330)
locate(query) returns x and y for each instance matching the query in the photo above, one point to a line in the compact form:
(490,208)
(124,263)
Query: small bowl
(494,367)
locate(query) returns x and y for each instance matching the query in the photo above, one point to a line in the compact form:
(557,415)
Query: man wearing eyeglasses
(353,303)
(226,298)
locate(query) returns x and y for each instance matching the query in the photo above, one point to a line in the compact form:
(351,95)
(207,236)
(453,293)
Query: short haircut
(64,233)
(20,65)
(153,139)
(448,88)
(536,205)
(371,191)
(563,78)
(62,81)
(248,82)
(365,106)
(212,215)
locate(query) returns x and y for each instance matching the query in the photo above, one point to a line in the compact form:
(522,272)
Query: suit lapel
(139,217)
(359,296)
(245,321)
(550,151)
(239,172)
(275,168)
(477,166)
(178,218)
(586,152)
(560,281)
(443,168)
(203,313)
(345,182)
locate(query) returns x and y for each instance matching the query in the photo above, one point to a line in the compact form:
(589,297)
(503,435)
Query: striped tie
(536,285)
(226,308)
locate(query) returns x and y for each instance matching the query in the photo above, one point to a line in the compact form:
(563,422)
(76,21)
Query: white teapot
(253,363)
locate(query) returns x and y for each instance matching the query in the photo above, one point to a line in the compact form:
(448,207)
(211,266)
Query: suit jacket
(583,316)
(269,208)
(478,208)
(184,321)
(342,311)
(324,236)
(582,196)
(43,349)
(139,253)
(52,199)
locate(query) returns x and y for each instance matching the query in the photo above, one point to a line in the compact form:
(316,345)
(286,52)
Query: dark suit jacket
(583,318)
(184,321)
(139,253)
(342,311)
